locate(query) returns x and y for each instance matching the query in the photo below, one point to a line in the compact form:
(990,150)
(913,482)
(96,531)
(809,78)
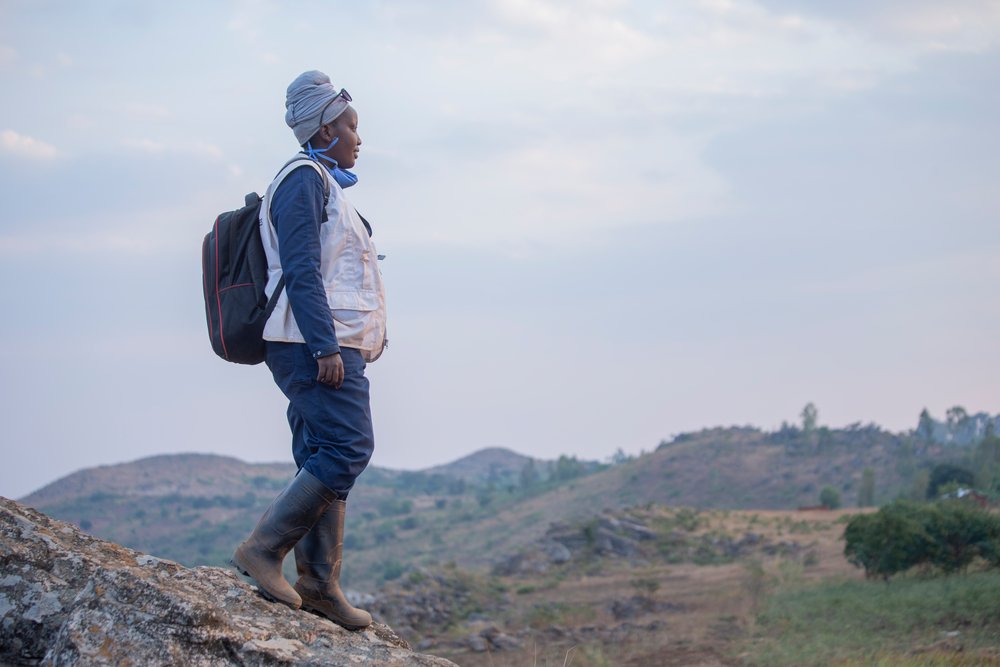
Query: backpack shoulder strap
(299,160)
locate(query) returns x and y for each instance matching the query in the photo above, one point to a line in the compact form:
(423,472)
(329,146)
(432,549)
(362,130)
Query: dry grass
(936,659)
(705,611)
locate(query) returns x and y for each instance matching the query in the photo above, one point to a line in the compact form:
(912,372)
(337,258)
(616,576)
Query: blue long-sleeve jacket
(297,211)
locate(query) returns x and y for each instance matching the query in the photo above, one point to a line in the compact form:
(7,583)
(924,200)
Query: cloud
(559,189)
(919,25)
(953,26)
(560,125)
(937,278)
(251,25)
(194,148)
(245,26)
(145,112)
(22,145)
(518,58)
(87,244)
(142,228)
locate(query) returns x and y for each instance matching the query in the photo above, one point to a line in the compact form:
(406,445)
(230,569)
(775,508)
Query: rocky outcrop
(67,598)
(641,605)
(448,609)
(427,601)
(539,558)
(603,536)
(619,536)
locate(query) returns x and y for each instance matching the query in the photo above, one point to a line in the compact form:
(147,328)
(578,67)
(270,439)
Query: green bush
(948,535)
(392,569)
(394,507)
(384,533)
(944,474)
(889,541)
(829,497)
(960,532)
(688,519)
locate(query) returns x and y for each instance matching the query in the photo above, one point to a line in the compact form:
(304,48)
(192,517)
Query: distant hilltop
(166,474)
(208,475)
(492,461)
(494,503)
(959,428)
(195,474)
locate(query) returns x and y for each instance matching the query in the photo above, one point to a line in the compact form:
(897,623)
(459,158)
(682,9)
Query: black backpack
(234,275)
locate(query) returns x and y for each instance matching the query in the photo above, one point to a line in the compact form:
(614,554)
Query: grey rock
(499,640)
(610,523)
(637,531)
(638,605)
(536,559)
(556,552)
(476,643)
(631,607)
(605,535)
(628,527)
(359,599)
(67,598)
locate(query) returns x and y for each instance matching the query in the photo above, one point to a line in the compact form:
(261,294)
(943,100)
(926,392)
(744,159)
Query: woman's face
(344,128)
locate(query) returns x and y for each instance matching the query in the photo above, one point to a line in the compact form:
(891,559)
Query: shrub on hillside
(944,474)
(948,535)
(960,532)
(891,540)
(394,506)
(829,497)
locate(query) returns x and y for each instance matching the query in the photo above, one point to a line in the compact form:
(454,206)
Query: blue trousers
(332,435)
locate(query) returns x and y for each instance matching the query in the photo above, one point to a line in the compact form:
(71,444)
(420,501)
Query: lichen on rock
(67,598)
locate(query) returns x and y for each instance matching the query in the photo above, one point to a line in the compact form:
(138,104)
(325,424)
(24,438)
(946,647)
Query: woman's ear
(326,133)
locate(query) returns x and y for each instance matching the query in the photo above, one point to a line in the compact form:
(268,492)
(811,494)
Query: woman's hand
(331,370)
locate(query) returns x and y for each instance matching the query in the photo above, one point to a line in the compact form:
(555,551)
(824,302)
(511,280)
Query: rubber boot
(318,558)
(286,521)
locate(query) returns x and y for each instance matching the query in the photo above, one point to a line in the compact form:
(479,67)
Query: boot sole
(346,626)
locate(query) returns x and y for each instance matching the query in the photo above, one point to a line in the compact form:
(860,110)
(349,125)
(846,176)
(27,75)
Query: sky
(605,222)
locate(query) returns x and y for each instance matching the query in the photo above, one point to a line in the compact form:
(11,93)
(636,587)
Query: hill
(194,475)
(486,506)
(498,553)
(726,468)
(490,464)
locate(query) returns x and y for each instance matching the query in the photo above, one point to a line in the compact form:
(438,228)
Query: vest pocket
(360,300)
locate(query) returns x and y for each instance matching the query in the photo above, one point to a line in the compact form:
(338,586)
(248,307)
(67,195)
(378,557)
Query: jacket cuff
(326,352)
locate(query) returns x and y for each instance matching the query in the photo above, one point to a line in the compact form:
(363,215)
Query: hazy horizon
(459,456)
(605,222)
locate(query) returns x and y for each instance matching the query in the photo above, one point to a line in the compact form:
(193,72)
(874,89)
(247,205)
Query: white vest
(348,265)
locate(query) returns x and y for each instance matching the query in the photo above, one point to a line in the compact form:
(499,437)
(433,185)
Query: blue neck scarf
(344,178)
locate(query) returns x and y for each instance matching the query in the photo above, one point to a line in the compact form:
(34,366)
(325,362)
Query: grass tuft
(869,623)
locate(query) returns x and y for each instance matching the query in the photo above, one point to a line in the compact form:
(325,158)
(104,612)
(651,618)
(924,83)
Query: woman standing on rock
(328,322)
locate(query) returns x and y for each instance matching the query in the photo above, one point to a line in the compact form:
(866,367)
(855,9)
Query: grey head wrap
(306,99)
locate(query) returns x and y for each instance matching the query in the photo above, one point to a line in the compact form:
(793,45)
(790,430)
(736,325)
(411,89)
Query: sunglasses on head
(342,94)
